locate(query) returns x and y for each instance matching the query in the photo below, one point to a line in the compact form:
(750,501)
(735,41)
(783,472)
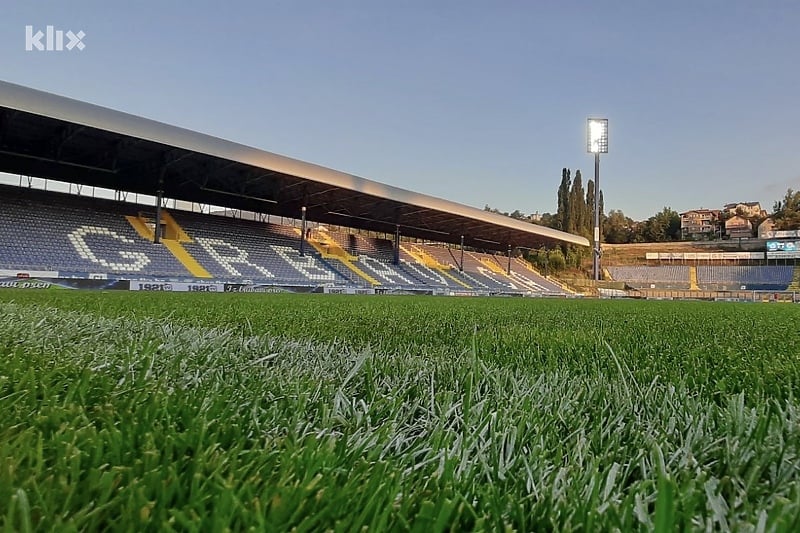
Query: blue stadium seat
(751,277)
(664,276)
(77,236)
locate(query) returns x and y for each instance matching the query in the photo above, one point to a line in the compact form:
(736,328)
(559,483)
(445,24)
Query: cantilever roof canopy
(50,136)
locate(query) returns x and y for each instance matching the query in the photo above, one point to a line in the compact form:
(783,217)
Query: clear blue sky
(477,102)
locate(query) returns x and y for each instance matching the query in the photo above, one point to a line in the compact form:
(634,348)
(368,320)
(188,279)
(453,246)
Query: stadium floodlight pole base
(596,254)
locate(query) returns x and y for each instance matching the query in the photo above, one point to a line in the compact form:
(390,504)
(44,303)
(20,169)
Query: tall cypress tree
(562,215)
(577,205)
(602,211)
(602,214)
(590,207)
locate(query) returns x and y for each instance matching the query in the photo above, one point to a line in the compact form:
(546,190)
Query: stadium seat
(77,237)
(663,276)
(751,277)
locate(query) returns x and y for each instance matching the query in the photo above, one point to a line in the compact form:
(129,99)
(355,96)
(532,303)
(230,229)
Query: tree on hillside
(661,227)
(787,211)
(590,192)
(602,209)
(618,229)
(577,206)
(556,260)
(562,214)
(548,219)
(539,259)
(490,209)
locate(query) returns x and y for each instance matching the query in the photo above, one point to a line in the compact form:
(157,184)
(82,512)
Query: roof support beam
(211,171)
(66,133)
(110,156)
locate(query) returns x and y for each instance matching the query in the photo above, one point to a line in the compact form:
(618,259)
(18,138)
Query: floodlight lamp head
(597,135)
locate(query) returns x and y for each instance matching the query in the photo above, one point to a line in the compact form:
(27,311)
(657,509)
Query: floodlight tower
(596,143)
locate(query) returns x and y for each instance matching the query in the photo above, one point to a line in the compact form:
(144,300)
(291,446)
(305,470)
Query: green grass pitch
(198,412)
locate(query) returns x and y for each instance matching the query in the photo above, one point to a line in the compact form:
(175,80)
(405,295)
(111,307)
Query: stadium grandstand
(281,223)
(712,273)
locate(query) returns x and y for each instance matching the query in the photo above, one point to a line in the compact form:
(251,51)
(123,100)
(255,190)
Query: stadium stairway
(330,250)
(444,272)
(795,284)
(172,239)
(423,257)
(140,226)
(492,264)
(328,246)
(173,230)
(190,263)
(493,277)
(693,286)
(526,265)
(455,261)
(502,269)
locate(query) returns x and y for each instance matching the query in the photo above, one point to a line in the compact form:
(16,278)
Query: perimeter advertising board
(264,288)
(348,290)
(163,286)
(64,283)
(783,249)
(783,234)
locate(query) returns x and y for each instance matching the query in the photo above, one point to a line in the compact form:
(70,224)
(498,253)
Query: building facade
(745,209)
(738,227)
(700,224)
(765,228)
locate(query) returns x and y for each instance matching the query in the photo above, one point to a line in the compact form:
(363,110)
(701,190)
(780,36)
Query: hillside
(620,254)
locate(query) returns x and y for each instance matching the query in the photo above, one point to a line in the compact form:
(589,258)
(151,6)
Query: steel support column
(397,245)
(159,199)
(461,265)
(303,230)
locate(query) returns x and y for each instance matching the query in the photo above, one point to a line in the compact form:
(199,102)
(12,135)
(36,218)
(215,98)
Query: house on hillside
(738,227)
(765,228)
(745,209)
(699,224)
